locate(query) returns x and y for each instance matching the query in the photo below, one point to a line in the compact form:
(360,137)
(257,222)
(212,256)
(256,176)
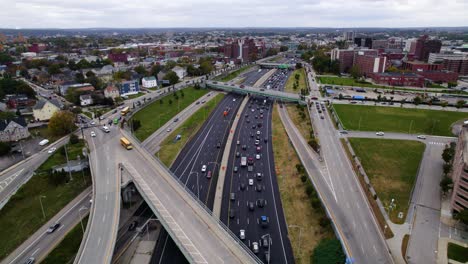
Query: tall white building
(149,82)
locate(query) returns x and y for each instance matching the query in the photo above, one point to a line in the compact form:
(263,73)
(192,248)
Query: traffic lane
(166,251)
(401,136)
(200,150)
(250,220)
(365,238)
(44,243)
(254,76)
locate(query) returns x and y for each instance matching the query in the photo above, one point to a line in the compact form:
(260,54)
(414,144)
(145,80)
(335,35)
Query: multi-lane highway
(244,188)
(205,148)
(252,77)
(278,80)
(41,243)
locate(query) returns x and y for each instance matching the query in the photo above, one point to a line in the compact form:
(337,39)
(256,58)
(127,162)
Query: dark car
(52,228)
(254,126)
(30,260)
(232,213)
(251,135)
(244,147)
(247,120)
(218,145)
(132,226)
(237,154)
(265,242)
(208,175)
(259,125)
(259,187)
(265,139)
(259,176)
(261,203)
(242,186)
(236,169)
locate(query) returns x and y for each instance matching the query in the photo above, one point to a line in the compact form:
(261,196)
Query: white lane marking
(99,241)
(35,251)
(104,218)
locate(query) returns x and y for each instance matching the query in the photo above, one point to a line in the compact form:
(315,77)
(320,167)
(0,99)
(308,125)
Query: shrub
(74,139)
(303,178)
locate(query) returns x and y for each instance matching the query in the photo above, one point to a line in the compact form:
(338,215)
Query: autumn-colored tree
(62,123)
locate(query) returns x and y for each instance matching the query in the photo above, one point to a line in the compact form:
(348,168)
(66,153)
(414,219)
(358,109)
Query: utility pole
(68,163)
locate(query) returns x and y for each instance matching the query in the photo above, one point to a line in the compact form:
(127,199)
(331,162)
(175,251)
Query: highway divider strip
(224,161)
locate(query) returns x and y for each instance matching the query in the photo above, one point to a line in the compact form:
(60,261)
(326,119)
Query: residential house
(149,82)
(86,99)
(13,129)
(44,109)
(82,87)
(129,87)
(111,92)
(181,72)
(15,101)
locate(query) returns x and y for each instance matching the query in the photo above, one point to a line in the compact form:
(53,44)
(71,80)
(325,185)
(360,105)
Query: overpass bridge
(242,89)
(273,65)
(201,237)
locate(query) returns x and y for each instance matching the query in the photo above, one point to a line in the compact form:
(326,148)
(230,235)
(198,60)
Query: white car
(242,234)
(234,99)
(52,150)
(421,137)
(380,133)
(169,130)
(257,156)
(93,123)
(258,132)
(255,247)
(93,134)
(250,182)
(253,110)
(203,168)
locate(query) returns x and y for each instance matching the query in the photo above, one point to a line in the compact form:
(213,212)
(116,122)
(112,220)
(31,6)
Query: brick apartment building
(244,50)
(423,46)
(459,66)
(459,199)
(367,60)
(439,76)
(398,79)
(122,57)
(420,66)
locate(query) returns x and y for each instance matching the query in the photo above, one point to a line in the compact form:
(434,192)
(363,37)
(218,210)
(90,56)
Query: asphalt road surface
(252,77)
(41,243)
(201,150)
(278,80)
(265,188)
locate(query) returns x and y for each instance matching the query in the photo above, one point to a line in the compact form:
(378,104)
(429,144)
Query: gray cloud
(240,13)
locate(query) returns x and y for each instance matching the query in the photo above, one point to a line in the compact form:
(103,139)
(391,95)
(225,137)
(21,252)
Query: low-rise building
(86,99)
(129,87)
(149,82)
(15,101)
(72,166)
(181,72)
(13,129)
(398,79)
(459,196)
(44,109)
(111,92)
(439,76)
(416,66)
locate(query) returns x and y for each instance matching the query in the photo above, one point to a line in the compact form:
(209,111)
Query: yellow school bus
(125,143)
(125,111)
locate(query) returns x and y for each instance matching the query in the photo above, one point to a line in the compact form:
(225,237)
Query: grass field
(347,82)
(393,119)
(23,212)
(290,82)
(392,167)
(157,114)
(170,149)
(296,204)
(43,132)
(457,252)
(133,96)
(303,124)
(233,74)
(66,250)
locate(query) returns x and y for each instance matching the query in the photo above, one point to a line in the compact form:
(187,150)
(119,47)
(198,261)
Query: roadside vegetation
(393,119)
(43,132)
(347,82)
(233,74)
(308,226)
(392,167)
(156,114)
(171,147)
(65,251)
(296,81)
(301,119)
(457,253)
(23,213)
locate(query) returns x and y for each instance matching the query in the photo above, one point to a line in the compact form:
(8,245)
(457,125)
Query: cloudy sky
(231,13)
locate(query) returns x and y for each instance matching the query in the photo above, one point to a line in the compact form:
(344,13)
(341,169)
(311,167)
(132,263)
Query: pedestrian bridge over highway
(273,65)
(201,237)
(282,96)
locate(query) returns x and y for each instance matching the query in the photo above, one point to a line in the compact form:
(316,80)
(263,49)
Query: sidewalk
(222,173)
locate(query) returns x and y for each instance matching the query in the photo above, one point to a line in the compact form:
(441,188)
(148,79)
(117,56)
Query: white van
(43,142)
(105,129)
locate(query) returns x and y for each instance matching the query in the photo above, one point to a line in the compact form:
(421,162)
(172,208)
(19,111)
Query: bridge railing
(202,206)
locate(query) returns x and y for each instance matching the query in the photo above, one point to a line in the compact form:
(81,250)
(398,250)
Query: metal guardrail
(202,206)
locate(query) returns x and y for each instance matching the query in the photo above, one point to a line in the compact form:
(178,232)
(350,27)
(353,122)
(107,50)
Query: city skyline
(210,13)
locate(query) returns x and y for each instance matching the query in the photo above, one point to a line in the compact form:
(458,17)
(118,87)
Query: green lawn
(392,167)
(302,81)
(393,119)
(457,252)
(66,250)
(133,96)
(347,82)
(57,158)
(169,148)
(161,111)
(233,74)
(44,133)
(23,212)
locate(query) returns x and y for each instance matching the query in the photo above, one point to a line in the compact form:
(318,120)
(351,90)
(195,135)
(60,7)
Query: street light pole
(81,217)
(269,252)
(42,207)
